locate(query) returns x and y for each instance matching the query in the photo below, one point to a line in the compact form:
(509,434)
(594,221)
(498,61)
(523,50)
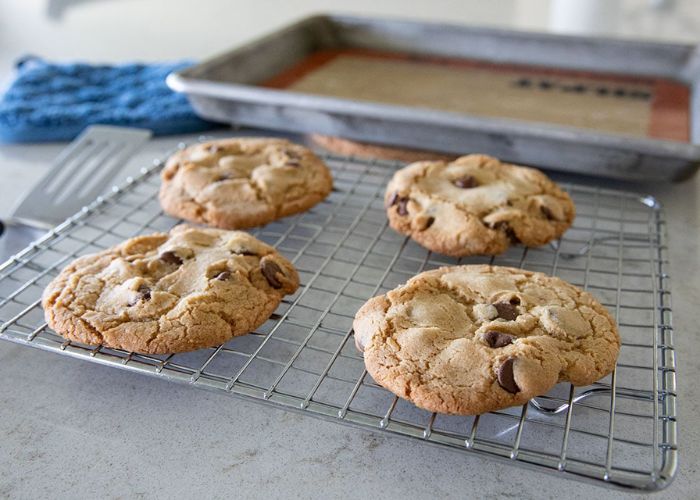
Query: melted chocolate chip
(143,293)
(170,258)
(429,222)
(508,230)
(270,270)
(498,339)
(402,206)
(506,377)
(393,199)
(506,310)
(466,182)
(223,276)
(547,212)
(515,301)
(511,236)
(402,203)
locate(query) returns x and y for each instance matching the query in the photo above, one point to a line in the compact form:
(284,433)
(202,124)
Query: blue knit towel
(55,102)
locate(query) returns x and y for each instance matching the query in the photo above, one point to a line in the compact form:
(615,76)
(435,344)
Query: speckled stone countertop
(74,429)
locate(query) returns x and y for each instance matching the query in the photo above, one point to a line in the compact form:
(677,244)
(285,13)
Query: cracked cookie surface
(243,182)
(169,292)
(471,339)
(476,205)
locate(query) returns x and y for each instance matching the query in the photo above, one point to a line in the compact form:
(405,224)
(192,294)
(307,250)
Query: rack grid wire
(621,431)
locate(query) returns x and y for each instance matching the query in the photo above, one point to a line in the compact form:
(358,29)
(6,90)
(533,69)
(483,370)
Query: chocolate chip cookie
(471,339)
(476,205)
(242,182)
(166,293)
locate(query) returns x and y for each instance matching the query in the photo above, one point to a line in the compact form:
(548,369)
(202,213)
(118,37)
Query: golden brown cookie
(476,205)
(243,182)
(471,339)
(174,292)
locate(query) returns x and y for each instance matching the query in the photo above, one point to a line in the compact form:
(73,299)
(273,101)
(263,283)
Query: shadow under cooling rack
(621,431)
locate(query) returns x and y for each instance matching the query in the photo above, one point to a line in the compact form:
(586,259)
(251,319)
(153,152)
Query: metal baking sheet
(618,432)
(234,88)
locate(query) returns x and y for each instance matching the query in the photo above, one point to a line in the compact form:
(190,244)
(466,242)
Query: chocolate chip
(402,206)
(547,212)
(402,203)
(143,293)
(498,339)
(270,270)
(508,230)
(170,258)
(506,310)
(506,377)
(223,276)
(515,301)
(466,182)
(393,199)
(429,222)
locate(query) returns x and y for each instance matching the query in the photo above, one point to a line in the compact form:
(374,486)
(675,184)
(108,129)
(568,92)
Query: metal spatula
(78,175)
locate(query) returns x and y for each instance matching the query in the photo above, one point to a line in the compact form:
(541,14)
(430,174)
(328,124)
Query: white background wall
(122,30)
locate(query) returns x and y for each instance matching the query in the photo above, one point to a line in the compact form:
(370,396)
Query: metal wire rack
(621,431)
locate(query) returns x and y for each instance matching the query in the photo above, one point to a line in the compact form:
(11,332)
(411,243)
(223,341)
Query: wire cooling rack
(620,431)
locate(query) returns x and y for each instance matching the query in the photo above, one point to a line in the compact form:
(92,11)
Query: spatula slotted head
(80,173)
